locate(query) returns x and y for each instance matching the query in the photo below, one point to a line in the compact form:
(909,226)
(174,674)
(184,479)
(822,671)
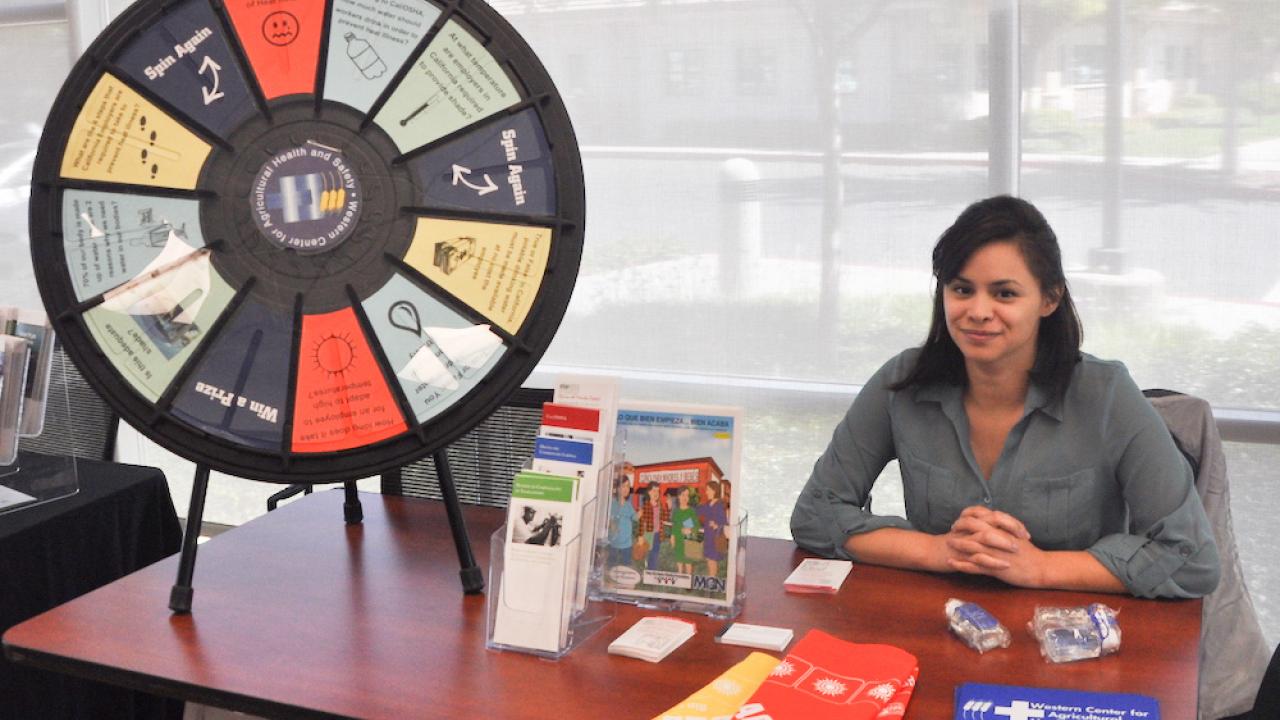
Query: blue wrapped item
(1067,634)
(975,626)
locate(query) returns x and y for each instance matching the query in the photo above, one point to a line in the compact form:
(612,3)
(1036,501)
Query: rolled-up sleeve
(1169,551)
(834,503)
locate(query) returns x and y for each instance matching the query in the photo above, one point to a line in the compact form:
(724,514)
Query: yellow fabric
(722,697)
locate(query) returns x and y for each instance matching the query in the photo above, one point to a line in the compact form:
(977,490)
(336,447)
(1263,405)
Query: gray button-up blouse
(1095,470)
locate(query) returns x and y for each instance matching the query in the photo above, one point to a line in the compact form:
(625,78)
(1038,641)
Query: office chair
(484,460)
(1233,652)
(1267,704)
(77,420)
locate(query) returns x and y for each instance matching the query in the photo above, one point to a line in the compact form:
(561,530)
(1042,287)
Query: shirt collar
(1043,399)
(951,397)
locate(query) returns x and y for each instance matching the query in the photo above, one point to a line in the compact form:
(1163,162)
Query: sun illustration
(830,687)
(334,353)
(883,692)
(894,709)
(725,686)
(785,668)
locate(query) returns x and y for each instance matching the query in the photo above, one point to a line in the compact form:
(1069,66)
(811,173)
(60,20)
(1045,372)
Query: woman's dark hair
(1002,219)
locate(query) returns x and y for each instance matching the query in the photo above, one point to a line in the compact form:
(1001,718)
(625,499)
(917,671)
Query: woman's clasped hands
(983,541)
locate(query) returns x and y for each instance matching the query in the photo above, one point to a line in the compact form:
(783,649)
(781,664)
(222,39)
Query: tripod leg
(472,577)
(352,511)
(180,595)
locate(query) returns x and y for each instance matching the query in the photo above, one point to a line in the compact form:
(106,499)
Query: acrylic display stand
(603,590)
(35,478)
(566,600)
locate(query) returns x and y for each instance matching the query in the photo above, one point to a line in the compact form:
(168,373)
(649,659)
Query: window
(981,67)
(1088,64)
(684,71)
(756,70)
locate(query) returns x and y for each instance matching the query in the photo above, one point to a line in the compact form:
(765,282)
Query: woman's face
(993,308)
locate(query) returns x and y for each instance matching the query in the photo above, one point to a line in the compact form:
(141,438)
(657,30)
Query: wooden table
(298,615)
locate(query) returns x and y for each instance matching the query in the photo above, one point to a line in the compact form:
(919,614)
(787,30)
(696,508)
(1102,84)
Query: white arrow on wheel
(210,94)
(460,176)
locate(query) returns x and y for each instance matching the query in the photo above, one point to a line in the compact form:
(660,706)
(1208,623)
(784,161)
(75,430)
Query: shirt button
(1185,550)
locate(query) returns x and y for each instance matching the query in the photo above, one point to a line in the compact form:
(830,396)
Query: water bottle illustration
(366,59)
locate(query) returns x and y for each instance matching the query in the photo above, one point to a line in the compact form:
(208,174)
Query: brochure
(765,637)
(570,445)
(673,516)
(653,638)
(600,392)
(534,606)
(34,327)
(817,575)
(13,367)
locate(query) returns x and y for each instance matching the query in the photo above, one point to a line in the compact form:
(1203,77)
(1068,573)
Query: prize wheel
(307,241)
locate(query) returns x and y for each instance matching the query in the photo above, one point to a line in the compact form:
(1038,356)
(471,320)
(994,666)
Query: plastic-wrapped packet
(1067,634)
(975,626)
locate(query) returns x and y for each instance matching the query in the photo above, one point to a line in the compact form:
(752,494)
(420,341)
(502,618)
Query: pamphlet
(600,392)
(817,575)
(673,514)
(562,456)
(569,444)
(534,605)
(32,325)
(975,701)
(13,368)
(653,638)
(756,636)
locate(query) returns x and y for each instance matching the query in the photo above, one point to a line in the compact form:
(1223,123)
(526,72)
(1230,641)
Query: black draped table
(121,520)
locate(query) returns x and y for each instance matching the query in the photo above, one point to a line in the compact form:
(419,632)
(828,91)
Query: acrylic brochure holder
(537,600)
(621,584)
(34,478)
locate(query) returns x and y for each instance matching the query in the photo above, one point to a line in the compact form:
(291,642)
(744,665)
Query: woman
(715,519)
(622,520)
(1021,458)
(653,517)
(684,521)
